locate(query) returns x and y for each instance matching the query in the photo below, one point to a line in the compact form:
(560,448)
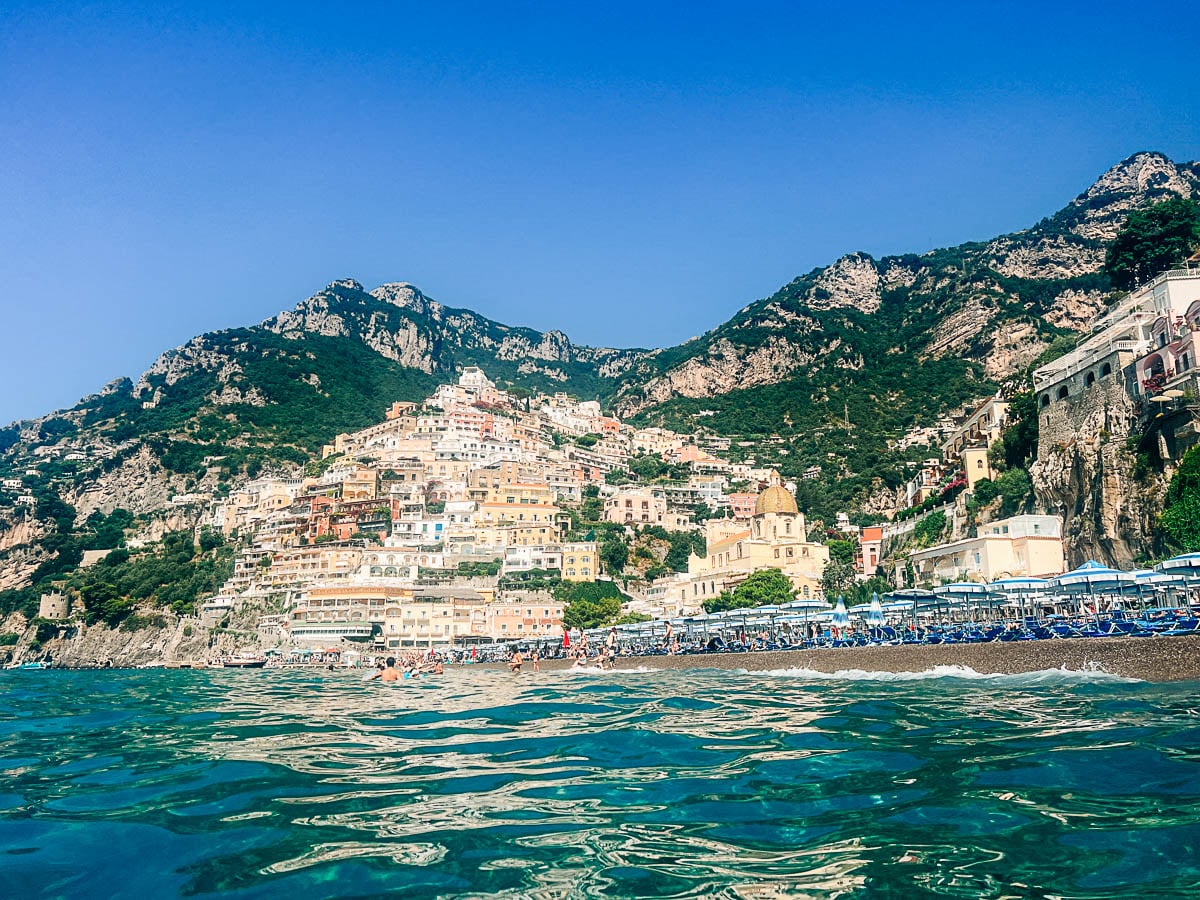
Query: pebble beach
(1148,659)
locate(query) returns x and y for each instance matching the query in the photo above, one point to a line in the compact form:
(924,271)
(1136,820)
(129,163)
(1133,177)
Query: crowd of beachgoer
(408,666)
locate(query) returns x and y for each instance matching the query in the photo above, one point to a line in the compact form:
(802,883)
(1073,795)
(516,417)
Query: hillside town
(446,523)
(465,519)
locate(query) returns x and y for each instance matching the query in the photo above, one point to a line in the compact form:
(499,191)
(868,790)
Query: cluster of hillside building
(443,524)
(440,525)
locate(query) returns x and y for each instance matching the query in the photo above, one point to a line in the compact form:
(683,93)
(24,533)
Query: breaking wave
(1092,674)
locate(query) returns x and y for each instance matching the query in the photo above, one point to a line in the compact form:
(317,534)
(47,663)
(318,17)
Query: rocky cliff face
(162,638)
(1083,473)
(987,306)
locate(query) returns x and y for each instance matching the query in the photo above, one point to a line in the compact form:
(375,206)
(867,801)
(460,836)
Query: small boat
(244,660)
(40,664)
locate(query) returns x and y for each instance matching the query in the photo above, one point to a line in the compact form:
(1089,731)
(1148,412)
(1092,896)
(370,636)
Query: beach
(1157,659)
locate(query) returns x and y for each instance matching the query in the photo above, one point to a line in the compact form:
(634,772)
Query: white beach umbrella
(841,618)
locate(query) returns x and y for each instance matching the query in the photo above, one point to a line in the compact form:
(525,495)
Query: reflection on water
(681,784)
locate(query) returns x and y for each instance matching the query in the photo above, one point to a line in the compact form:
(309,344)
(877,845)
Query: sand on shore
(1148,659)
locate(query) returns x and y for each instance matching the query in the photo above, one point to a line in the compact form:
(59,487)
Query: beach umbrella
(963,593)
(1184,564)
(1021,589)
(841,618)
(1092,578)
(1187,566)
(875,613)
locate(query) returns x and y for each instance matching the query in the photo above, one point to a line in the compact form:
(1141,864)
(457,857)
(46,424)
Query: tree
(210,539)
(842,551)
(632,618)
(1014,486)
(614,554)
(1180,520)
(683,545)
(589,604)
(1019,440)
(591,614)
(766,587)
(929,529)
(1153,240)
(985,491)
(837,577)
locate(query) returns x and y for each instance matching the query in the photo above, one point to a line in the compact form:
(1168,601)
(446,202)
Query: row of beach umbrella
(1090,582)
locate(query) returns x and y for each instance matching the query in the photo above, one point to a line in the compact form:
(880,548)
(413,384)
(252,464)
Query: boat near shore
(244,660)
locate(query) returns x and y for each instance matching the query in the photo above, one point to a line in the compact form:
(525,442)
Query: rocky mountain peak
(1134,182)
(852,281)
(408,296)
(347,283)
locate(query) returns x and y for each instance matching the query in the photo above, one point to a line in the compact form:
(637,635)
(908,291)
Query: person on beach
(533,658)
(514,664)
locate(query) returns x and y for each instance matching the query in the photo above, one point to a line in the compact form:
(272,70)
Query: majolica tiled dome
(776,499)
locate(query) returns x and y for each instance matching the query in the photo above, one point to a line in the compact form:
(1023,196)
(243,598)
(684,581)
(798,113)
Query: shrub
(986,491)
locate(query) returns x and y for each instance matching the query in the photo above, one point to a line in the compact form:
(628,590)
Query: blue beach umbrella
(964,593)
(1184,564)
(1187,567)
(1092,578)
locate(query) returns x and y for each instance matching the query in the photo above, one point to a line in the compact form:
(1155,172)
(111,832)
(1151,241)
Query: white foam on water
(595,670)
(1093,673)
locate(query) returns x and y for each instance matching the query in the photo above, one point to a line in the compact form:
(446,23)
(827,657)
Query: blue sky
(629,173)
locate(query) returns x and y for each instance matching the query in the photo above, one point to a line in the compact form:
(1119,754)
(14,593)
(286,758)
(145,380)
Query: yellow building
(580,561)
(776,539)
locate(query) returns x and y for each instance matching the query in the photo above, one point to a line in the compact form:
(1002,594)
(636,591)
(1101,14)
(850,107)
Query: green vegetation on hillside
(589,604)
(1153,240)
(173,574)
(1180,520)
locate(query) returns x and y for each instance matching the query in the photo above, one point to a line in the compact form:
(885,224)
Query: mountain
(834,368)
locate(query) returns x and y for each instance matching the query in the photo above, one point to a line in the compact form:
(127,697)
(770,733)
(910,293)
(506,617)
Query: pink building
(743,505)
(870,545)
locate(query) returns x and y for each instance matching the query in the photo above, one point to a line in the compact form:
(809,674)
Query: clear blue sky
(629,173)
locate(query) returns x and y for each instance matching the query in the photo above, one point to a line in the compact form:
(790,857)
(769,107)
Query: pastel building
(1018,546)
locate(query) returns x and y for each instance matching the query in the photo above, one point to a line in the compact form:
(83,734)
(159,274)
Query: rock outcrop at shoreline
(160,639)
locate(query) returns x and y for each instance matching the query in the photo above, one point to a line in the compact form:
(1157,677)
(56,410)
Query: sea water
(695,783)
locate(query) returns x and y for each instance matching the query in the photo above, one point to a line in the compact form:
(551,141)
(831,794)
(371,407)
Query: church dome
(776,499)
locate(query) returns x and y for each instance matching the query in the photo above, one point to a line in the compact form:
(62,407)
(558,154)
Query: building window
(1063,393)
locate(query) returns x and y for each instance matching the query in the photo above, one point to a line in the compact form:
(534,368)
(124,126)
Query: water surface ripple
(693,783)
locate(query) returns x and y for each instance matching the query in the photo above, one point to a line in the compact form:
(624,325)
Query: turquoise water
(649,784)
